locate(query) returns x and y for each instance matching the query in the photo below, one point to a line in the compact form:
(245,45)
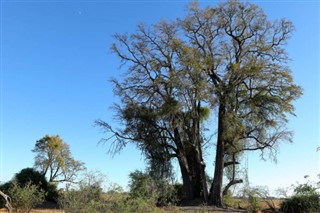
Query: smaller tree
(53,159)
(142,185)
(31,176)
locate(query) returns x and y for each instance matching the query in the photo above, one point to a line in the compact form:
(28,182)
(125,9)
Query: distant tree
(53,159)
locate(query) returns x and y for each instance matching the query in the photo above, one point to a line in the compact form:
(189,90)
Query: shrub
(167,193)
(229,200)
(31,176)
(82,201)
(159,192)
(252,196)
(86,198)
(142,185)
(134,204)
(52,193)
(24,198)
(254,201)
(305,199)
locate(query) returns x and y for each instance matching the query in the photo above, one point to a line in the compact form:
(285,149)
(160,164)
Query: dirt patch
(208,209)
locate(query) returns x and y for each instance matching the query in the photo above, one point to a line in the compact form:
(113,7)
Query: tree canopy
(230,58)
(54,160)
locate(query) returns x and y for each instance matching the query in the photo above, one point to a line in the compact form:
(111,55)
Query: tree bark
(186,179)
(216,187)
(7,199)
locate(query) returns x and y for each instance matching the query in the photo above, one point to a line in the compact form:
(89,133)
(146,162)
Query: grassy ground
(175,209)
(239,205)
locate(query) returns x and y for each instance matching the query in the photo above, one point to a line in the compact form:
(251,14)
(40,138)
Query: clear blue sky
(55,67)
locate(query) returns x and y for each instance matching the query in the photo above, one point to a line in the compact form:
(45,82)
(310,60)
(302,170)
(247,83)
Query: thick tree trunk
(194,156)
(216,197)
(190,159)
(187,182)
(184,167)
(198,155)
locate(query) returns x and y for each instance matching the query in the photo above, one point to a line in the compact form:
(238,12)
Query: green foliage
(24,198)
(52,193)
(305,199)
(86,197)
(5,187)
(204,113)
(158,192)
(31,176)
(254,201)
(252,196)
(230,57)
(229,200)
(134,204)
(142,185)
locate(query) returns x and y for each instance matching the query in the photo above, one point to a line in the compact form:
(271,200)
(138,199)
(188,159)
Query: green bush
(24,198)
(229,200)
(134,204)
(142,185)
(158,192)
(254,201)
(86,198)
(81,201)
(305,199)
(52,193)
(30,175)
(167,193)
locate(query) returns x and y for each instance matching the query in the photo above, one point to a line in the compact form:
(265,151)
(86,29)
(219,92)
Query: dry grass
(39,211)
(264,204)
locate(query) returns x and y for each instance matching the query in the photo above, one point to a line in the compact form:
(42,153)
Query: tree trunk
(184,167)
(186,179)
(7,200)
(216,197)
(200,165)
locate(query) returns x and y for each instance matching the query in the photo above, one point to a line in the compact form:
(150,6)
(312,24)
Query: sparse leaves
(53,159)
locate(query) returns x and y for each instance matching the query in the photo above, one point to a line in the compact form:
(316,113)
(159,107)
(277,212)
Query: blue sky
(55,67)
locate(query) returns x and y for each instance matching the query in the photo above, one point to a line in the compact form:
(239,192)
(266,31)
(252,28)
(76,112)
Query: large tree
(229,57)
(53,159)
(243,53)
(161,109)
